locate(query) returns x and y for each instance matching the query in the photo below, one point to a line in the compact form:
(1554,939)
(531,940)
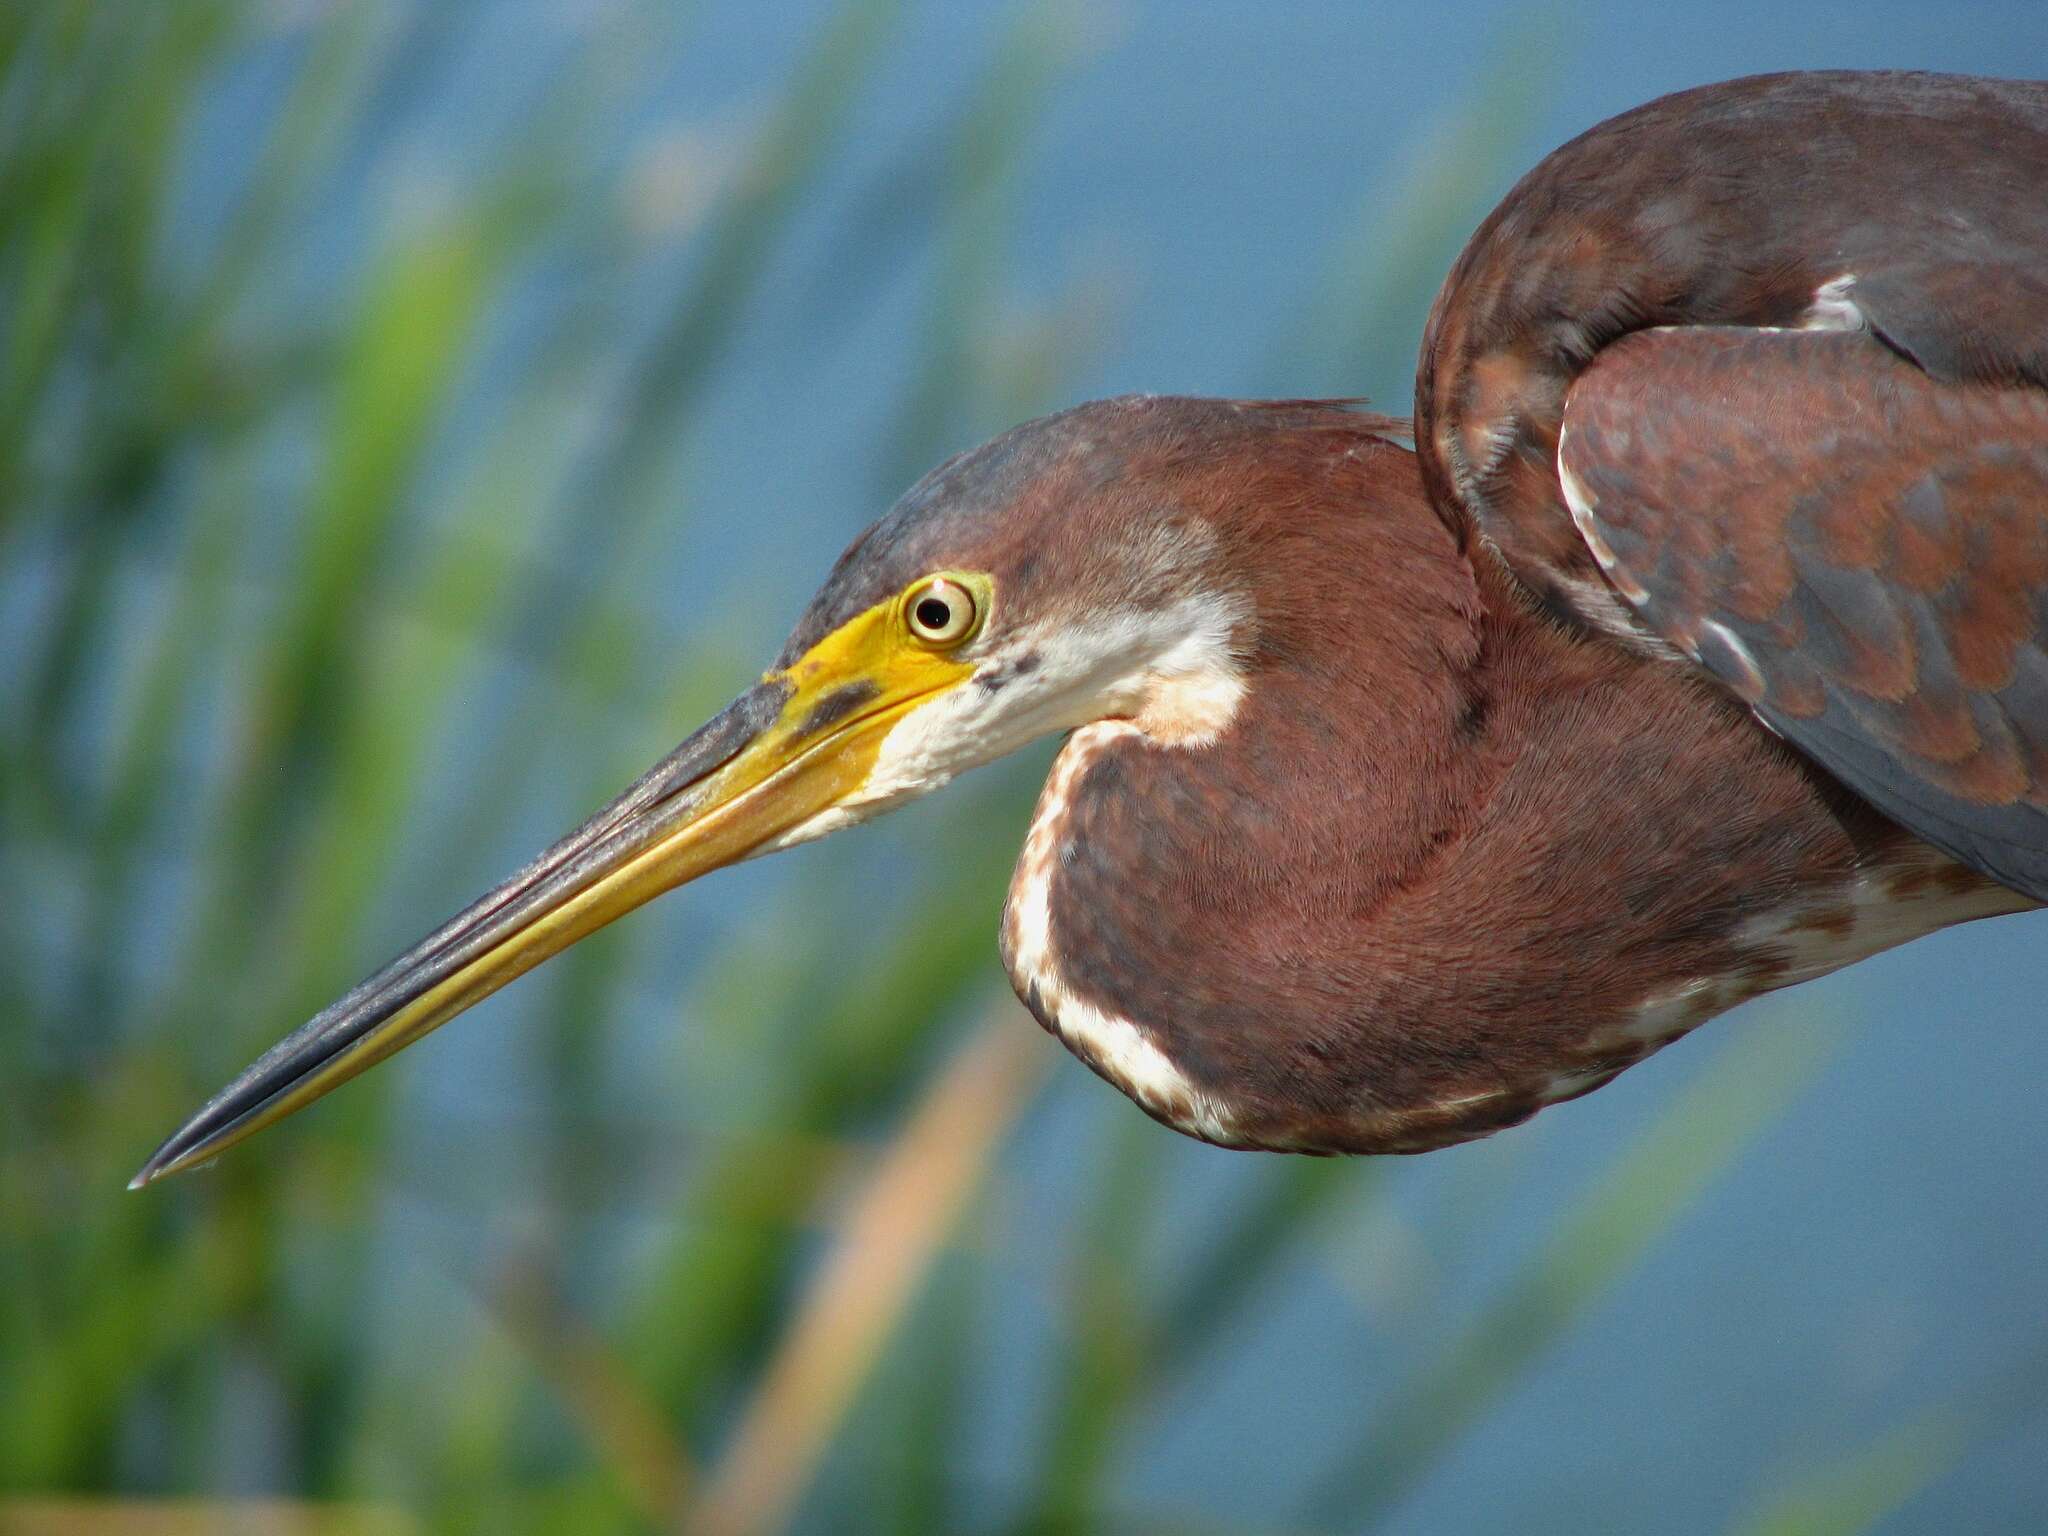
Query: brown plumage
(1467,862)
(1858,550)
(1706,651)
(1845,522)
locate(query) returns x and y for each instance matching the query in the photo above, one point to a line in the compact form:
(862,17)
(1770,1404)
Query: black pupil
(934,612)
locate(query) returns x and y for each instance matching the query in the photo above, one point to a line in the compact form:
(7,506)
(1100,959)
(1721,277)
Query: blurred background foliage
(415,417)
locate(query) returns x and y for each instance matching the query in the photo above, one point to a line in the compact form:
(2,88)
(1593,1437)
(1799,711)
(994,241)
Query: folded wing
(1857,548)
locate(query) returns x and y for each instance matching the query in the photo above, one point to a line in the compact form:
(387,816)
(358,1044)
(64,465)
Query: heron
(1698,647)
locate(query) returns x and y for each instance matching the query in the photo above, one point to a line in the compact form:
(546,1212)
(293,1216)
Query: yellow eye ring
(940,612)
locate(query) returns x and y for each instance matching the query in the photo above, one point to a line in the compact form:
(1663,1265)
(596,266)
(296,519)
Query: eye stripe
(837,705)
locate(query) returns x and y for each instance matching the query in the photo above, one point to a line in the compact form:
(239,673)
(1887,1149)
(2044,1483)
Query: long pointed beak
(792,747)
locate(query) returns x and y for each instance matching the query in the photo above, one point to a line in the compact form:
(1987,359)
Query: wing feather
(1858,549)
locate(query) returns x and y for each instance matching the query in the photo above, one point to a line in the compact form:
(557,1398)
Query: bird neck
(1374,914)
(1356,751)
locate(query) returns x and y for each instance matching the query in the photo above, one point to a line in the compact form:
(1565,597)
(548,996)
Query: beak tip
(166,1160)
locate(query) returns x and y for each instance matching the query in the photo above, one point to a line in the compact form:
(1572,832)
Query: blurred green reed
(281,525)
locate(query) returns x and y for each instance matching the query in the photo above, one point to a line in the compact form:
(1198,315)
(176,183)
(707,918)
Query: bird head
(1077,568)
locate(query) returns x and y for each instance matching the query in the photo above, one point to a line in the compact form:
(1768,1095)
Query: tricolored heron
(1707,652)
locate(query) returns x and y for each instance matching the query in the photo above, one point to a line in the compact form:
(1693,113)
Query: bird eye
(940,612)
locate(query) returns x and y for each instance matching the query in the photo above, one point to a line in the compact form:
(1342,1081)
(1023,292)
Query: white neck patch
(1190,695)
(1117,1048)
